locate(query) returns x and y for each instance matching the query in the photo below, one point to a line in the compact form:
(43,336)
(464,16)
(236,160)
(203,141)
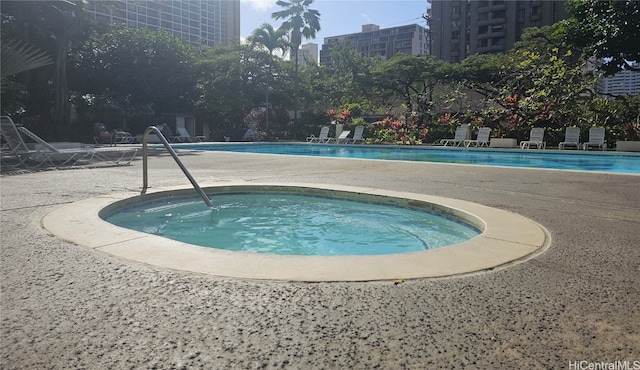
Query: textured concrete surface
(65,306)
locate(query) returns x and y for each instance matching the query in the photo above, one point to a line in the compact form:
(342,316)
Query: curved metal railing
(145,182)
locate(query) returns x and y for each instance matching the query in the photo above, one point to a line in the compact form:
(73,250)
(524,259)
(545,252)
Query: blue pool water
(549,159)
(294,224)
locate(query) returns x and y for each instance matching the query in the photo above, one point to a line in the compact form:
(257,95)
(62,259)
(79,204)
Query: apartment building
(625,82)
(459,28)
(385,43)
(202,22)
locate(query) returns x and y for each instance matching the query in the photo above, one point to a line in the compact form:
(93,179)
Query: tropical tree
(299,20)
(151,71)
(271,39)
(51,25)
(19,57)
(346,80)
(411,79)
(232,79)
(606,29)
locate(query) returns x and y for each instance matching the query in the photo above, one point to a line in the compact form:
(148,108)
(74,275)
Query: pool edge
(508,239)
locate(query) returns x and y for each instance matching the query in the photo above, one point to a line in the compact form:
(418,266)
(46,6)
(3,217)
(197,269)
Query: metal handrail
(164,141)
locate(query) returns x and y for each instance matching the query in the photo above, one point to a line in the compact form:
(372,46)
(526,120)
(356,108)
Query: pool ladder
(145,182)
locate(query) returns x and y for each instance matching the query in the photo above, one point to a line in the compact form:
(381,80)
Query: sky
(337,17)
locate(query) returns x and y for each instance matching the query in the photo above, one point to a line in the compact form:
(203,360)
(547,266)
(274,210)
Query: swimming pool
(613,162)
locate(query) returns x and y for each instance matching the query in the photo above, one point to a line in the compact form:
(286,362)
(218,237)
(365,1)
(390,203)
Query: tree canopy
(606,29)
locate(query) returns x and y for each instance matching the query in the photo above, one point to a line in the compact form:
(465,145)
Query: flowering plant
(393,130)
(342,117)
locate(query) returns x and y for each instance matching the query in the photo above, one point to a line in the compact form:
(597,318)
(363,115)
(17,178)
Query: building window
(498,41)
(483,17)
(498,14)
(497,28)
(455,23)
(455,10)
(483,29)
(455,35)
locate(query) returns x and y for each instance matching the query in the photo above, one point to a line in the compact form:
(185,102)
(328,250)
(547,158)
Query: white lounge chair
(322,138)
(357,136)
(459,138)
(571,138)
(536,138)
(52,156)
(16,147)
(596,139)
(182,137)
(342,138)
(484,135)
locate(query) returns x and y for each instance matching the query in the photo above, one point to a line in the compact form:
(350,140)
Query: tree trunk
(61,106)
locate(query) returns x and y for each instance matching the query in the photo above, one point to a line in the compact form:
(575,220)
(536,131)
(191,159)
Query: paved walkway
(65,306)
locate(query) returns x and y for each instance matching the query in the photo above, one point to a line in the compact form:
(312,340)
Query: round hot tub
(301,232)
(300,221)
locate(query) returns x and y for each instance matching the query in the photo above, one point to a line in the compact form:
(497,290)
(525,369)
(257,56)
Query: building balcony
(491,49)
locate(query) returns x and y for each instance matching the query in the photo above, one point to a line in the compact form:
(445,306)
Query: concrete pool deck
(68,306)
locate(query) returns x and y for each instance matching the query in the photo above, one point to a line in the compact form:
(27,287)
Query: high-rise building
(625,82)
(202,22)
(308,54)
(386,42)
(459,28)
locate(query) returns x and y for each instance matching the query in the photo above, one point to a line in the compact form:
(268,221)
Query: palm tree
(300,20)
(269,38)
(20,57)
(57,22)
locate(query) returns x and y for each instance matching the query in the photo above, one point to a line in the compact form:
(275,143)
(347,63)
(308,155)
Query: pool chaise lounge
(323,137)
(357,136)
(459,138)
(571,138)
(596,139)
(536,138)
(341,139)
(484,135)
(51,156)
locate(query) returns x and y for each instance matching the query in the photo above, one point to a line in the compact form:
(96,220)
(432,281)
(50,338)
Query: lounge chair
(322,138)
(596,139)
(182,137)
(357,136)
(249,135)
(460,137)
(484,135)
(571,138)
(536,138)
(16,147)
(342,138)
(52,156)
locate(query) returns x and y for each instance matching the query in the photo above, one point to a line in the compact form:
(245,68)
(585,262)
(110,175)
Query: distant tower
(308,54)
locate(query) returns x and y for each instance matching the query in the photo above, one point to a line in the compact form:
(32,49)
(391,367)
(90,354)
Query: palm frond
(19,57)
